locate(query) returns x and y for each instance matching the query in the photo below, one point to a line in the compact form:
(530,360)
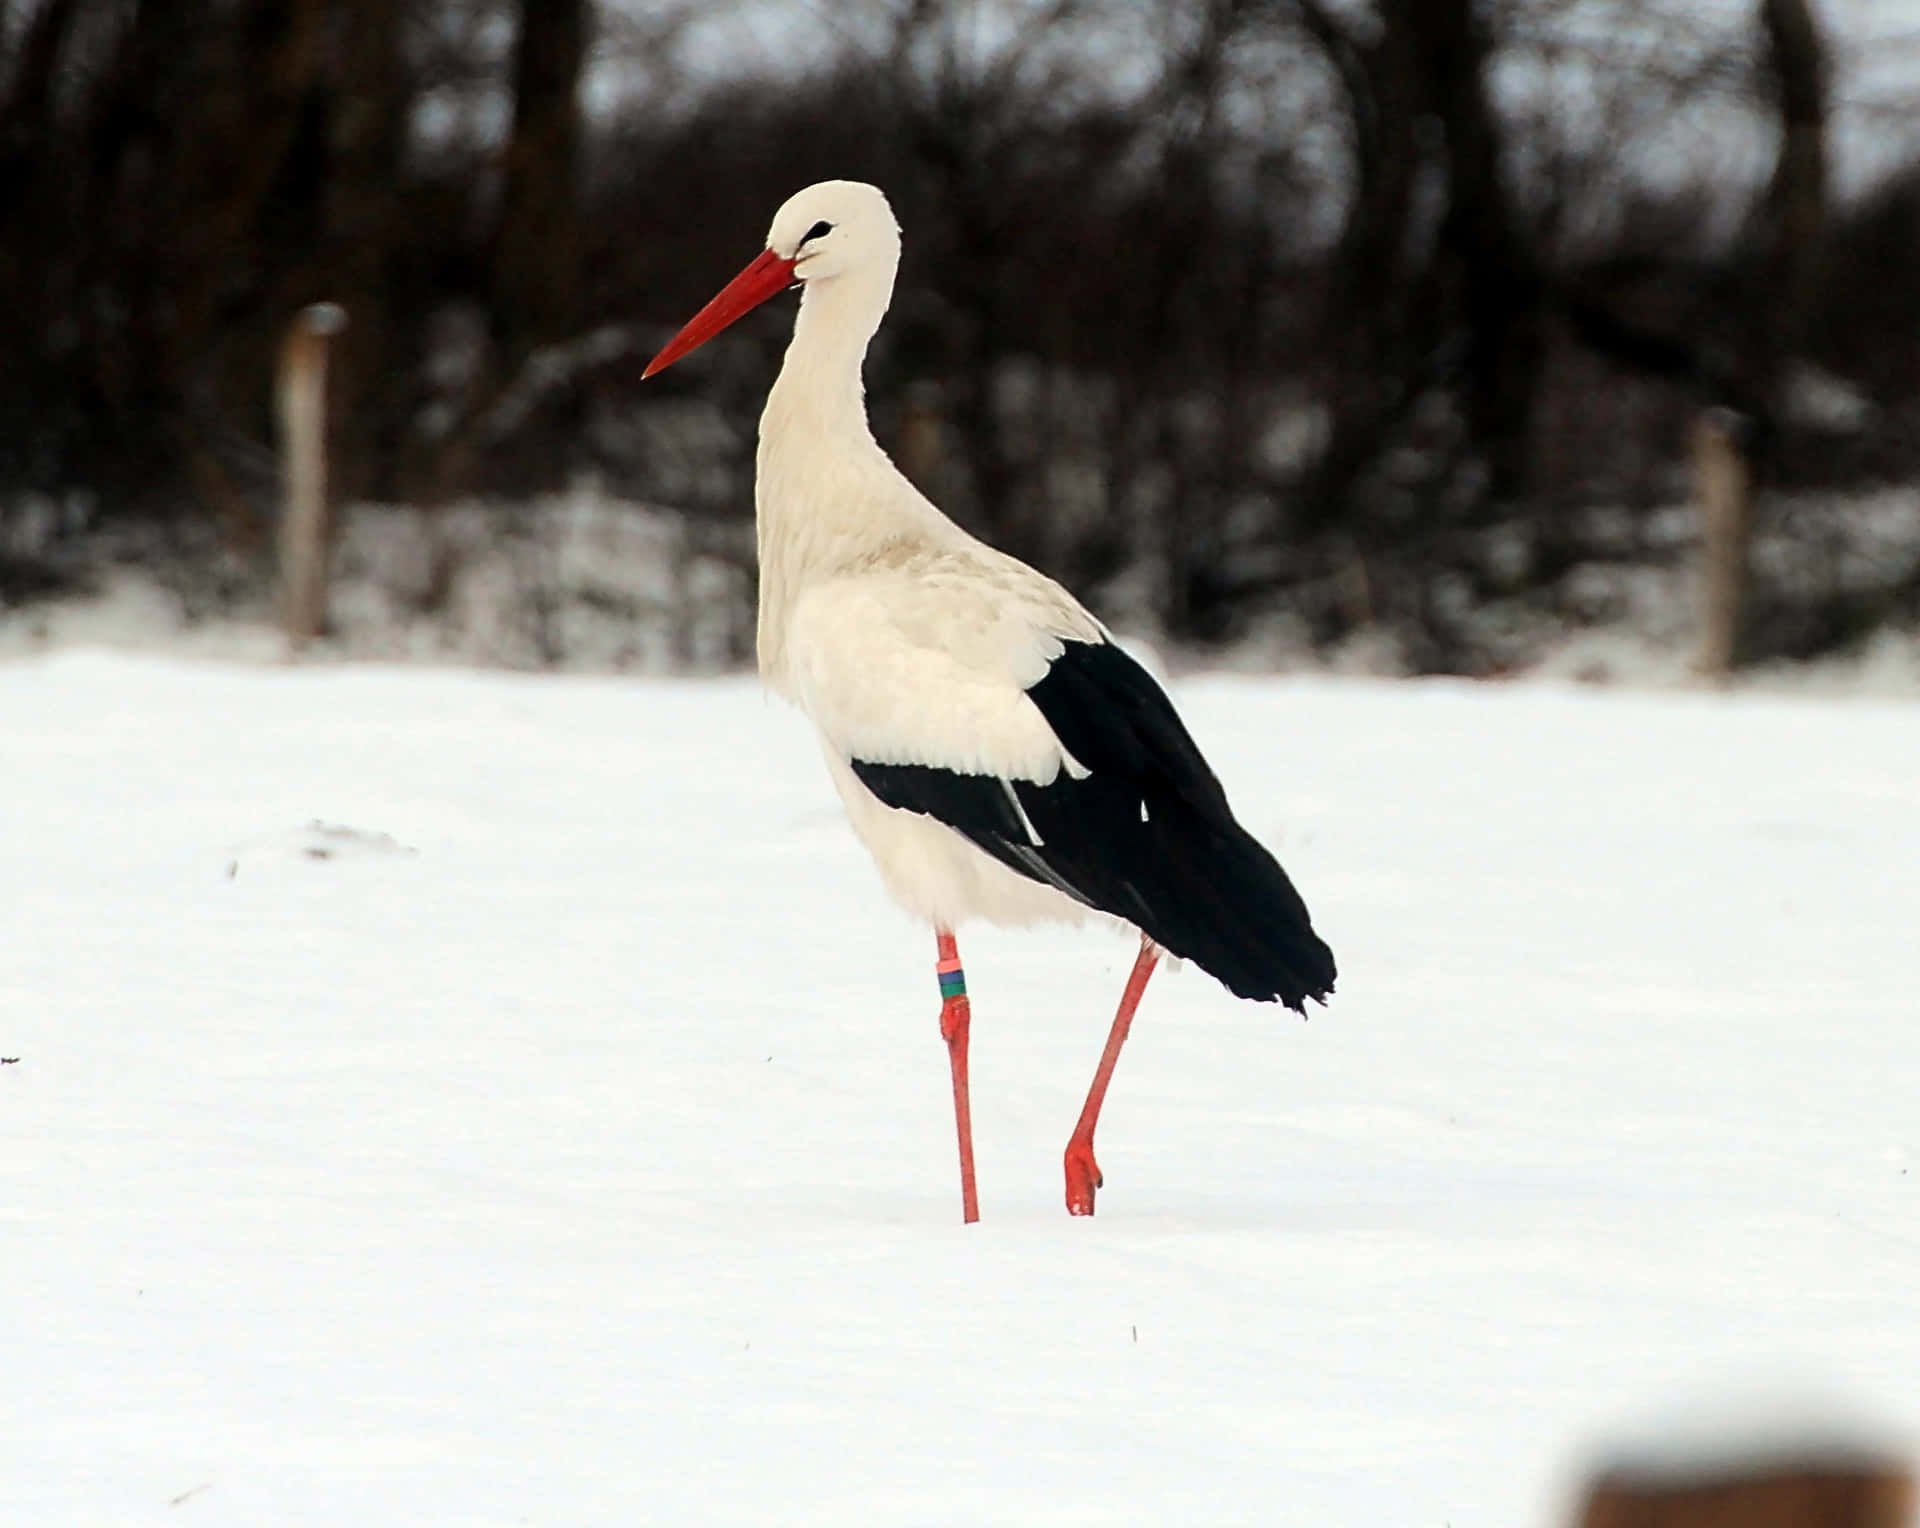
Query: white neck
(818,402)
(824,491)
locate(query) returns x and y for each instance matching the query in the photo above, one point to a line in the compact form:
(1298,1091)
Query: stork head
(830,230)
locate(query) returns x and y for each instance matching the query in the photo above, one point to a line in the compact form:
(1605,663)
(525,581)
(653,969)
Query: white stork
(998,755)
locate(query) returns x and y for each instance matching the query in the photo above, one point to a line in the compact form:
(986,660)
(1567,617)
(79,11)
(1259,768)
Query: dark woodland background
(1374,311)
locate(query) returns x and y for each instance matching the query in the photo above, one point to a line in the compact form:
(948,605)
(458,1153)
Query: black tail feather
(1230,908)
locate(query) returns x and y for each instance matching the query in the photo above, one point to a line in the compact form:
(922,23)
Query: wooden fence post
(1723,484)
(301,402)
(921,448)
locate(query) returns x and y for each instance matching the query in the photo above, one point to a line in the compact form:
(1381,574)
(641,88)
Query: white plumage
(941,675)
(903,638)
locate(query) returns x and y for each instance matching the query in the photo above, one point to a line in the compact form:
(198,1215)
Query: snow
(586,581)
(461,1098)
(580,579)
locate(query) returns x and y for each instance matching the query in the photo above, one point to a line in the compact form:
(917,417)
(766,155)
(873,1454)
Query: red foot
(1083,1177)
(1083,1173)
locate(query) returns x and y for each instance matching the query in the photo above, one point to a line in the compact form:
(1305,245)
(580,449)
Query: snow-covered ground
(455,1098)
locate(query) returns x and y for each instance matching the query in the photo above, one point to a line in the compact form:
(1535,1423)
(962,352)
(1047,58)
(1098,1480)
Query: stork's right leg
(955,1020)
(1083,1173)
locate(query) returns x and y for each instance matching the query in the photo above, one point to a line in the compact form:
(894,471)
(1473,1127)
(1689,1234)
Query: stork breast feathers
(916,669)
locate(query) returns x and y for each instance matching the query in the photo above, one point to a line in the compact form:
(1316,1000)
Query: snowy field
(457,1098)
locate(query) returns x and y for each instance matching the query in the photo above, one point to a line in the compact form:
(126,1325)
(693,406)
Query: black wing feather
(1147,835)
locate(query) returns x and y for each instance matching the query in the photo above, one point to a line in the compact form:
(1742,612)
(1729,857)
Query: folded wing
(1063,759)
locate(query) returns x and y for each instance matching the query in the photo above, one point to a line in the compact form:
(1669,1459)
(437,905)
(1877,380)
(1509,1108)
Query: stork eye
(819,231)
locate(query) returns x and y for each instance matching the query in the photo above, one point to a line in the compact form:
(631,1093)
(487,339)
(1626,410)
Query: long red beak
(768,275)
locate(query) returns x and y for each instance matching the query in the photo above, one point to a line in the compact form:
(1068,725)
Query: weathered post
(1723,485)
(921,448)
(301,399)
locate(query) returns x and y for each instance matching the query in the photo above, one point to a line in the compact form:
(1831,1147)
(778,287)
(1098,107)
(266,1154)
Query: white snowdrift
(484,1099)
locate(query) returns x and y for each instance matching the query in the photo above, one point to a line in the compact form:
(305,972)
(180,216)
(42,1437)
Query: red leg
(1083,1173)
(956,1017)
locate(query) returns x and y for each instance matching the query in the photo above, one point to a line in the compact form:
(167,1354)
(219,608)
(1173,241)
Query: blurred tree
(1204,302)
(366,104)
(536,247)
(1420,123)
(1793,214)
(1499,290)
(1372,353)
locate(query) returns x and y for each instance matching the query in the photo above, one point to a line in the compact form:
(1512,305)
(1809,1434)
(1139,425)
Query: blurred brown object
(1810,1491)
(1723,488)
(920,439)
(304,528)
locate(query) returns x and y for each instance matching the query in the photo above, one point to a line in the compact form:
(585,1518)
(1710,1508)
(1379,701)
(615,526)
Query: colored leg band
(953,981)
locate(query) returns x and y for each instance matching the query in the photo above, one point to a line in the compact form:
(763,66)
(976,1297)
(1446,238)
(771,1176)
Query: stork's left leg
(1083,1173)
(956,1019)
